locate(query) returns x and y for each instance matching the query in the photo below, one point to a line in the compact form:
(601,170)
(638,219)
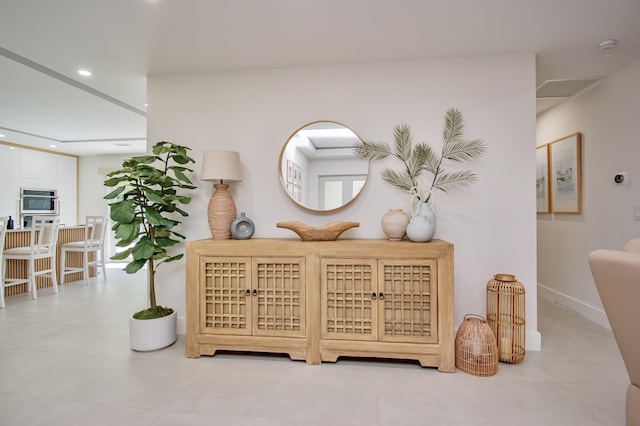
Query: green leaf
(145,159)
(154,196)
(126,231)
(166,242)
(175,234)
(135,266)
(113,181)
(123,211)
(154,217)
(181,176)
(174,258)
(143,249)
(113,194)
(161,148)
(181,159)
(122,255)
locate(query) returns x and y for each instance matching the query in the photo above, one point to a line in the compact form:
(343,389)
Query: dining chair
(3,230)
(95,231)
(42,245)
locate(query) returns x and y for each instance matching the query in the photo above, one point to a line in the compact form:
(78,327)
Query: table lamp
(222,166)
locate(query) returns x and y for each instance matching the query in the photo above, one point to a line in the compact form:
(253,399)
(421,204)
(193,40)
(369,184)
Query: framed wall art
(566,175)
(289,171)
(542,180)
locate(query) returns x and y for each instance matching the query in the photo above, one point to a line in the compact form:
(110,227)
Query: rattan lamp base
(221,212)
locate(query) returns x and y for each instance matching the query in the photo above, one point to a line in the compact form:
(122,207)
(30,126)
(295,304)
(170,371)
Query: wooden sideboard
(319,300)
(18,268)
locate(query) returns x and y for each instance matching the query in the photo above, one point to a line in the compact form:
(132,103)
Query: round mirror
(318,169)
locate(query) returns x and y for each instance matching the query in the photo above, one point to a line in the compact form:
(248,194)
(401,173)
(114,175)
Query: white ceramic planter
(149,335)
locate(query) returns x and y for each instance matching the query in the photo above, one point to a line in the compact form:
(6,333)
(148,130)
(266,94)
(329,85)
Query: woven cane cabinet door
(349,310)
(405,292)
(226,295)
(278,297)
(244,303)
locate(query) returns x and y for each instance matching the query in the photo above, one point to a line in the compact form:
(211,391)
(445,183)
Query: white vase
(422,225)
(394,223)
(152,334)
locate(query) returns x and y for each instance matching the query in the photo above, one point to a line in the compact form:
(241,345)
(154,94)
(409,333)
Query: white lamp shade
(221,165)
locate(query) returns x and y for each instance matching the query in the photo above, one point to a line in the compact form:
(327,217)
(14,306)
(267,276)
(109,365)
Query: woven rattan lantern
(506,316)
(476,349)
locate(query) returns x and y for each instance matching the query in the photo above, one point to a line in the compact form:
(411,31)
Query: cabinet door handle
(373,296)
(381,296)
(247,293)
(255,292)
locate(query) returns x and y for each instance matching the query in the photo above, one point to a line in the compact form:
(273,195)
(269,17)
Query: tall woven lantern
(506,316)
(475,346)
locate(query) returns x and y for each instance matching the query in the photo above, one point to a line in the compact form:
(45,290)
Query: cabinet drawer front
(279,302)
(409,309)
(347,304)
(224,305)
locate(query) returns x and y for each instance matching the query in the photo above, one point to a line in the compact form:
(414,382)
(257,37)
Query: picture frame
(289,171)
(565,174)
(297,175)
(543,201)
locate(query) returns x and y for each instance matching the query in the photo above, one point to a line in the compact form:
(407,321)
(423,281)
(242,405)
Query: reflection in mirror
(318,169)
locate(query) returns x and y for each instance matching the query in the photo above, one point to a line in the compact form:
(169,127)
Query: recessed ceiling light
(608,45)
(84,73)
(2,136)
(52,146)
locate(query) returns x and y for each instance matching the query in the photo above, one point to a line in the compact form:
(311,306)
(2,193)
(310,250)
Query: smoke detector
(608,45)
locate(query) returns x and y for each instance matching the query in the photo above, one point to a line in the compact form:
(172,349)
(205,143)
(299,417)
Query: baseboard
(585,310)
(182,325)
(534,341)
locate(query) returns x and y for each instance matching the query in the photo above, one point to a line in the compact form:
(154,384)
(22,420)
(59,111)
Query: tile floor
(64,360)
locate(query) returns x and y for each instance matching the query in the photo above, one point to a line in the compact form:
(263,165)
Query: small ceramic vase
(242,228)
(422,225)
(394,222)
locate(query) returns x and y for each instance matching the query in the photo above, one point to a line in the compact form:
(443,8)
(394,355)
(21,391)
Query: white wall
(21,167)
(607,117)
(253,112)
(93,170)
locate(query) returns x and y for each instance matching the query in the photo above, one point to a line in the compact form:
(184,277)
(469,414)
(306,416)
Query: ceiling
(44,102)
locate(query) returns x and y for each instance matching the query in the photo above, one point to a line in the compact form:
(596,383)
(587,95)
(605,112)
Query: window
(336,191)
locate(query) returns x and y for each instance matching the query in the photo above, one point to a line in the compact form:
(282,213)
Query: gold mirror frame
(300,164)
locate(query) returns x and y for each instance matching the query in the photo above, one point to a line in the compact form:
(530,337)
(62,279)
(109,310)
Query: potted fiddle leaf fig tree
(145,210)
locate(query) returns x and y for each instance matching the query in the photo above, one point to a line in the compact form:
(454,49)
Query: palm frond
(453,126)
(372,150)
(430,159)
(461,150)
(453,181)
(399,180)
(415,164)
(403,141)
